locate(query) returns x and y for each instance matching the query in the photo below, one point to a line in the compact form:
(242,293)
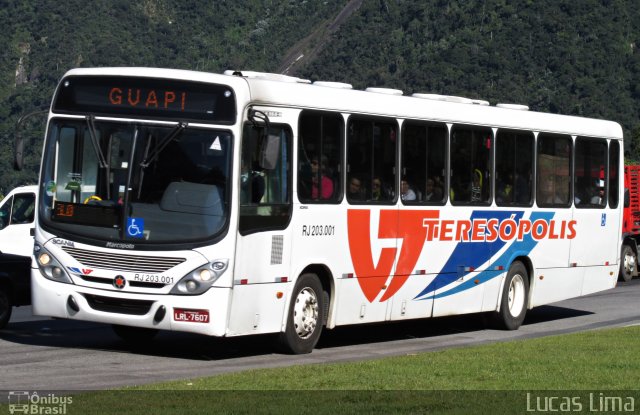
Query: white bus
(245,203)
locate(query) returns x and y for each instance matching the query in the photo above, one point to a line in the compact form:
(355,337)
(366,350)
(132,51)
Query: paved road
(44,354)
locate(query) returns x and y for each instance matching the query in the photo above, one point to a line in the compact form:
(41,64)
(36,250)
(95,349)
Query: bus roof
(286,91)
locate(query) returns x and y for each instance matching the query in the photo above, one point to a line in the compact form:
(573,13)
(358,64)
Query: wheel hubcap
(305,313)
(629,263)
(516,295)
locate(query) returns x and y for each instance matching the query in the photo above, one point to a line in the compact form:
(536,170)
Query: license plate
(191,316)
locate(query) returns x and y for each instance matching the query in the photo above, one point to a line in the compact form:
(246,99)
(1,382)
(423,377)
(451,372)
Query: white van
(17,211)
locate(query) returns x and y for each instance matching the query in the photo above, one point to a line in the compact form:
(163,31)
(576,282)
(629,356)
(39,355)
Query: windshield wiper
(102,161)
(163,143)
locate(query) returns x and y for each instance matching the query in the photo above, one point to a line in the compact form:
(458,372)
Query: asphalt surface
(46,354)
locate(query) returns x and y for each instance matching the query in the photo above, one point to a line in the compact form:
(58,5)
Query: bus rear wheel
(627,264)
(134,335)
(513,305)
(305,317)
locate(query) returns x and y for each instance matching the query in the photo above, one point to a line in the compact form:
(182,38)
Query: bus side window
(614,174)
(471,165)
(423,160)
(371,158)
(320,138)
(589,180)
(514,168)
(553,186)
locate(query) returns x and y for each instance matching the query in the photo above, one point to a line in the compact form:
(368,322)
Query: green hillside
(568,57)
(554,55)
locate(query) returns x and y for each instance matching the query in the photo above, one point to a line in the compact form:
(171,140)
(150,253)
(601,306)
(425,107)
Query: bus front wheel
(513,305)
(305,317)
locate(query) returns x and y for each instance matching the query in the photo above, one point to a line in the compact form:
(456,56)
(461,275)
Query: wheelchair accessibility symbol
(135,227)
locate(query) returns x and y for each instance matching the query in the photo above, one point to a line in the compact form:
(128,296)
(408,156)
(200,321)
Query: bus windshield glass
(135,182)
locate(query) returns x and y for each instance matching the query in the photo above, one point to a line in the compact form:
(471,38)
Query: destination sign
(104,216)
(147,98)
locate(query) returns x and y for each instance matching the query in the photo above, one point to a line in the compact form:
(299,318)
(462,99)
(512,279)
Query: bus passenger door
(263,248)
(597,224)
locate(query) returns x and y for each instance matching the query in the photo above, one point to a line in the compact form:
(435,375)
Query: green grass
(599,359)
(492,378)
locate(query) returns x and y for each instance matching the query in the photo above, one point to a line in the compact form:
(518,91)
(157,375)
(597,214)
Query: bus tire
(5,307)
(515,292)
(134,335)
(628,263)
(305,316)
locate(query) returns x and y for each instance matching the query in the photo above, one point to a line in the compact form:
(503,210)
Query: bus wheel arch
(328,286)
(515,295)
(307,311)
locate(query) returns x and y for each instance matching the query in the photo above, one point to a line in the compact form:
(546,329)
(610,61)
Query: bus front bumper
(204,314)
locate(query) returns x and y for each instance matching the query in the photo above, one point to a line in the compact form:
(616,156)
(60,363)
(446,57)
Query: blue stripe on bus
(517,248)
(471,254)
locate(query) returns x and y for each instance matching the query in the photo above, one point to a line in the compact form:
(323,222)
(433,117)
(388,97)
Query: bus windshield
(135,182)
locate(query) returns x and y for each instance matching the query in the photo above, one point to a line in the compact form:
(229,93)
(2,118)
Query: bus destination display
(81,214)
(146,97)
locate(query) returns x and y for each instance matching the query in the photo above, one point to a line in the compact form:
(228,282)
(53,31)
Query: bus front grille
(109,281)
(125,263)
(118,305)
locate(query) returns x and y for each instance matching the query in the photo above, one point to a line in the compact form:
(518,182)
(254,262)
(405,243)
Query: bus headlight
(49,267)
(200,279)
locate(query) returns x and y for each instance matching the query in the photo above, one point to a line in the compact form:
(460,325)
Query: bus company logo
(23,402)
(63,242)
(81,271)
(119,282)
(415,227)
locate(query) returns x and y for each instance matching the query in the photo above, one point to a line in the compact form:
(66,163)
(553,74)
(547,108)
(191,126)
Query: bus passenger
(476,186)
(407,193)
(598,198)
(378,191)
(432,192)
(326,184)
(354,192)
(252,185)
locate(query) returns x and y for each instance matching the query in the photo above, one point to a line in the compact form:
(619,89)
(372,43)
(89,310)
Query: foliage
(46,38)
(577,58)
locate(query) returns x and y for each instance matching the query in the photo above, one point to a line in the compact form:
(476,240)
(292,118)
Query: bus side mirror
(269,151)
(627,198)
(18,149)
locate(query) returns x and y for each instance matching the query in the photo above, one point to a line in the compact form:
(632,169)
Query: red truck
(630,223)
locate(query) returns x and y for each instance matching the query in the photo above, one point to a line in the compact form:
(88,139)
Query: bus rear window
(146,97)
